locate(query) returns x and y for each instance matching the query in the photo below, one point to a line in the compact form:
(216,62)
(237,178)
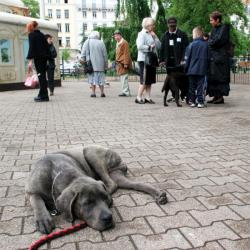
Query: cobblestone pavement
(200,157)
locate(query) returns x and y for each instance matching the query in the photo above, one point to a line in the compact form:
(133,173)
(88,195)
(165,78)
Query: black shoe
(149,101)
(39,99)
(103,95)
(93,95)
(139,101)
(219,101)
(122,94)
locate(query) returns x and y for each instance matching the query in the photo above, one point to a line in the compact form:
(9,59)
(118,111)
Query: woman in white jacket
(147,42)
(94,50)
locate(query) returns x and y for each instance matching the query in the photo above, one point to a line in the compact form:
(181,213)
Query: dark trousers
(50,75)
(196,83)
(40,65)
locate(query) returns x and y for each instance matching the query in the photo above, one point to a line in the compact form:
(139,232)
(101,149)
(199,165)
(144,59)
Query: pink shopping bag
(31,81)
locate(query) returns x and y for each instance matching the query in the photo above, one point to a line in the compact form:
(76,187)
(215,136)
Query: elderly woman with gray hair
(94,50)
(147,44)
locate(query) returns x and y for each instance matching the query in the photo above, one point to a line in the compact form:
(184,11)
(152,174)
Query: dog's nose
(106,216)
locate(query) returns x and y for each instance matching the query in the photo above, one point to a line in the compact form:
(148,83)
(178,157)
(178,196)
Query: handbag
(151,59)
(31,81)
(88,67)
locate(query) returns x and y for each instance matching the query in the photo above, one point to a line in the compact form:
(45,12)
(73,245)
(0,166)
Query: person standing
(173,47)
(38,53)
(51,63)
(94,50)
(219,70)
(147,44)
(196,64)
(123,62)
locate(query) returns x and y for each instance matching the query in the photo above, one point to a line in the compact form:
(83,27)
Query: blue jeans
(196,83)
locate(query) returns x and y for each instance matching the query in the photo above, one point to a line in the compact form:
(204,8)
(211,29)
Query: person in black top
(51,63)
(173,47)
(39,53)
(219,70)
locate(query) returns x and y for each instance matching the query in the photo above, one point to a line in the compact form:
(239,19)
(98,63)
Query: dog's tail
(164,85)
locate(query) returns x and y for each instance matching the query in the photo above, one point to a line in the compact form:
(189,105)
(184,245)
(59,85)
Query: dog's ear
(65,201)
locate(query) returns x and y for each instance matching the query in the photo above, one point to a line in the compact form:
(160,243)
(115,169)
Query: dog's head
(87,200)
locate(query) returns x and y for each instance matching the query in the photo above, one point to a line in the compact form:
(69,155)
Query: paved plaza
(200,157)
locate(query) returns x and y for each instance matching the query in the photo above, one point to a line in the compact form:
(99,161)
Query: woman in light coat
(94,50)
(146,42)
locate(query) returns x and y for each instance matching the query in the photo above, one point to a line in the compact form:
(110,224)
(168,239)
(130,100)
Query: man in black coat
(219,70)
(39,53)
(173,47)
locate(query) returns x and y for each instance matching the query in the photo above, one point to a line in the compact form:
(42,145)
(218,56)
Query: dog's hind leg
(123,182)
(44,222)
(165,97)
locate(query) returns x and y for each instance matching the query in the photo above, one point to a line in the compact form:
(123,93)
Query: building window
(84,26)
(104,14)
(66,27)
(94,26)
(49,1)
(59,27)
(65,1)
(50,13)
(94,14)
(57,1)
(84,13)
(58,13)
(6,51)
(60,41)
(66,13)
(104,25)
(67,41)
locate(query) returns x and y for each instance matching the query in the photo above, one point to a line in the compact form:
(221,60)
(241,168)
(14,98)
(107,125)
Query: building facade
(14,7)
(77,17)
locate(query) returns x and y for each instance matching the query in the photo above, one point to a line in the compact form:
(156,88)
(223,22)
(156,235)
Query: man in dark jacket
(173,46)
(196,65)
(219,71)
(51,64)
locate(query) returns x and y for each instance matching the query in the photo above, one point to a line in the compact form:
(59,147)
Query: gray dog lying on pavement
(79,184)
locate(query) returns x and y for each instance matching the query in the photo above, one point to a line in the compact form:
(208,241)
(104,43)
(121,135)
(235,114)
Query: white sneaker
(192,105)
(200,105)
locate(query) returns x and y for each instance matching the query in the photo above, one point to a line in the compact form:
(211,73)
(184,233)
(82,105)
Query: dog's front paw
(45,224)
(162,198)
(165,104)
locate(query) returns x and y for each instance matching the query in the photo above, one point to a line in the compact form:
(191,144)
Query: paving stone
(142,199)
(162,224)
(11,227)
(182,194)
(124,200)
(3,191)
(120,243)
(214,202)
(244,197)
(70,246)
(236,245)
(10,212)
(242,210)
(195,174)
(169,176)
(174,207)
(226,179)
(137,226)
(5,176)
(242,228)
(210,246)
(23,168)
(233,163)
(171,239)
(195,182)
(219,214)
(244,185)
(129,213)
(199,236)
(9,201)
(227,188)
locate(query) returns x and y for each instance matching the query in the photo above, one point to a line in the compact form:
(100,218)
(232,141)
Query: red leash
(57,234)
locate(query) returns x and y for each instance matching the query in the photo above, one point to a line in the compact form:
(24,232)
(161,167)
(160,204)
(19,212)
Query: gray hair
(197,32)
(94,35)
(147,21)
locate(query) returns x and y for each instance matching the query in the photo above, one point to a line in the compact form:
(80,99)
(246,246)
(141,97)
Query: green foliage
(65,54)
(160,19)
(196,13)
(33,6)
